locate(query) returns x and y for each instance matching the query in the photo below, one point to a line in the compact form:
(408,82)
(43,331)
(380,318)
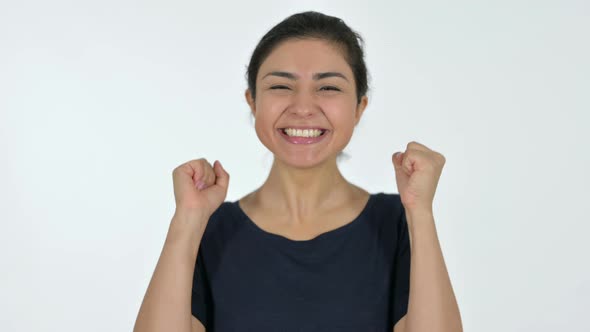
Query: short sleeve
(401,270)
(201,303)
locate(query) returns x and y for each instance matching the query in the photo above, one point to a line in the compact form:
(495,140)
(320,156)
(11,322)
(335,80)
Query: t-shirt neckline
(277,237)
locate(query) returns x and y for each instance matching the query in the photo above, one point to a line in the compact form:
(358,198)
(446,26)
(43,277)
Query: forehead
(305,57)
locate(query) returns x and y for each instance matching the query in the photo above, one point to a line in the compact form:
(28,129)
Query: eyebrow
(316,76)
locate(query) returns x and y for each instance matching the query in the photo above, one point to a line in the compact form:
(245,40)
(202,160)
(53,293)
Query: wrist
(190,216)
(419,214)
(419,217)
(187,224)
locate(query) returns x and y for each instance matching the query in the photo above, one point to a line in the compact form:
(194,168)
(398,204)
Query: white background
(101,100)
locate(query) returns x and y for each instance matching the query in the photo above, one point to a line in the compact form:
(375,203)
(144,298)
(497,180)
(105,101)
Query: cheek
(268,111)
(265,119)
(273,104)
(340,113)
(337,109)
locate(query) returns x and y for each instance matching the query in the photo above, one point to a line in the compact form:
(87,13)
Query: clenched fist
(199,187)
(417,171)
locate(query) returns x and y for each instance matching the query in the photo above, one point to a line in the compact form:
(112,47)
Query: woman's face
(305,84)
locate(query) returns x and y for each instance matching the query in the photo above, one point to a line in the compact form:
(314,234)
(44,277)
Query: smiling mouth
(306,133)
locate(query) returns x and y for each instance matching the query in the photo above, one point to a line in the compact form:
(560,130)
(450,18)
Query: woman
(308,250)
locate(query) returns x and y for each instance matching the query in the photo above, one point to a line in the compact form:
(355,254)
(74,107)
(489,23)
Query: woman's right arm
(167,302)
(199,189)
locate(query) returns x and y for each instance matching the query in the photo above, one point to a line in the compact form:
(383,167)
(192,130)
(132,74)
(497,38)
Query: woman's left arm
(432,306)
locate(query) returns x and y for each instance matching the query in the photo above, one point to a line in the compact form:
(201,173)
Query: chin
(301,162)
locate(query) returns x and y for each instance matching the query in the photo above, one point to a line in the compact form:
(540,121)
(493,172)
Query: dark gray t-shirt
(353,278)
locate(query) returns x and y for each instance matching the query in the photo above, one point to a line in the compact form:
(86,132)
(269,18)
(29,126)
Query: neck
(300,192)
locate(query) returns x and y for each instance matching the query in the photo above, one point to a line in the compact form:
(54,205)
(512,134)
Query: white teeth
(303,133)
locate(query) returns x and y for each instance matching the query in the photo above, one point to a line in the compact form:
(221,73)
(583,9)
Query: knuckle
(177,169)
(198,162)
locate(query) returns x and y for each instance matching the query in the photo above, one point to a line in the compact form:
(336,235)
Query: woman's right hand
(199,187)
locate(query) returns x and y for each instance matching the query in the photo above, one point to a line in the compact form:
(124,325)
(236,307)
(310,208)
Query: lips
(303,140)
(323,131)
(303,127)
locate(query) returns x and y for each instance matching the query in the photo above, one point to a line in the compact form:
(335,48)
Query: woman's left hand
(417,171)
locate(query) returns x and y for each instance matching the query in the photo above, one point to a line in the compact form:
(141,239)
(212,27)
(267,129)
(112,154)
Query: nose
(303,104)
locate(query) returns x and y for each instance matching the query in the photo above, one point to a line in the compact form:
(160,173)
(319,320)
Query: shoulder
(224,215)
(389,203)
(389,212)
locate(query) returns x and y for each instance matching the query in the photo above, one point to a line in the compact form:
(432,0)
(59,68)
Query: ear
(250,101)
(360,109)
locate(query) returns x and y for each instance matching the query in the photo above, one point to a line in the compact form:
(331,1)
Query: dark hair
(313,25)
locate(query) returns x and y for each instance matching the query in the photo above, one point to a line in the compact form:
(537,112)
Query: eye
(277,87)
(333,88)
